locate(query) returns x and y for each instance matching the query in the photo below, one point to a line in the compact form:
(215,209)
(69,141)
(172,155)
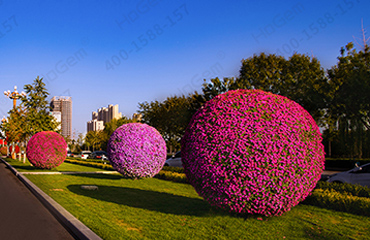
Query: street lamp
(14,95)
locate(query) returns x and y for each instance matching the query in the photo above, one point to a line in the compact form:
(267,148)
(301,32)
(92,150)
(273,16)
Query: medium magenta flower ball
(137,150)
(46,150)
(253,152)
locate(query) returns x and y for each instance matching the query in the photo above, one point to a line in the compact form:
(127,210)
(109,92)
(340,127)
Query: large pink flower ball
(46,150)
(137,150)
(252,152)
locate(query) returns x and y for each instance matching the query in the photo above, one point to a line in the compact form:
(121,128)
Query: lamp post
(14,95)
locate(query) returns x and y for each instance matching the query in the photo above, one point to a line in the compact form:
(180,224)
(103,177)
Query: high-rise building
(62,106)
(102,116)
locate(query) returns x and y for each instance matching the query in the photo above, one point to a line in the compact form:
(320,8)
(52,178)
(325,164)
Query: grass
(159,209)
(64,167)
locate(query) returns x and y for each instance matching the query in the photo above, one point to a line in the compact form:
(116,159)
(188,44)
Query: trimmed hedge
(90,164)
(340,201)
(167,173)
(172,176)
(345,188)
(173,169)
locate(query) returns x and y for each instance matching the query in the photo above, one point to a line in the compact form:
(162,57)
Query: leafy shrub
(3,151)
(345,188)
(137,150)
(340,201)
(90,164)
(172,176)
(46,150)
(173,169)
(248,151)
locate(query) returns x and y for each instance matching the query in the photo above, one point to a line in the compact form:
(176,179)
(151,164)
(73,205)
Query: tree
(209,91)
(95,139)
(14,127)
(169,117)
(37,109)
(350,98)
(300,78)
(111,126)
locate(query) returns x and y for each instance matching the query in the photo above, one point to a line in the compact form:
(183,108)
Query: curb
(72,224)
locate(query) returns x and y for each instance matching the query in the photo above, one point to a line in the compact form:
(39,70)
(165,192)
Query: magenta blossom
(137,150)
(252,152)
(46,150)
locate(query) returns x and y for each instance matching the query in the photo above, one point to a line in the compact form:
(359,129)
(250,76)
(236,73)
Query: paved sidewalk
(22,215)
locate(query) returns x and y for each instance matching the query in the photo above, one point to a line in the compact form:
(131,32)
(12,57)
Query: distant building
(61,109)
(102,116)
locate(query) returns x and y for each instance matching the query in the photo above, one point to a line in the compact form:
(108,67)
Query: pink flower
(46,150)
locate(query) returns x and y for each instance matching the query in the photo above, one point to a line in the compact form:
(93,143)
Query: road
(22,215)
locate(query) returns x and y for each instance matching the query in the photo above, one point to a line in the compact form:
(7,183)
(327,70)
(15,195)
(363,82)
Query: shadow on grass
(149,200)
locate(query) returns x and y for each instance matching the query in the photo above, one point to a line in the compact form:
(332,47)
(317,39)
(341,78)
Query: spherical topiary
(137,150)
(248,151)
(3,151)
(46,150)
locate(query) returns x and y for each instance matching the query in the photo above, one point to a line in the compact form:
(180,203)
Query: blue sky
(129,52)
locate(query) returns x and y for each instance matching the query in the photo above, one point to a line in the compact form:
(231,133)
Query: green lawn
(159,209)
(64,167)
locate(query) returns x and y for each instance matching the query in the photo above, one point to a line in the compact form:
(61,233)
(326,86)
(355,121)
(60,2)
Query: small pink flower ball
(46,150)
(252,152)
(137,150)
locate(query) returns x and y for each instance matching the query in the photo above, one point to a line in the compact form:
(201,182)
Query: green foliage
(172,176)
(95,139)
(349,111)
(340,201)
(169,117)
(90,164)
(38,118)
(210,90)
(300,78)
(173,169)
(14,127)
(345,188)
(167,173)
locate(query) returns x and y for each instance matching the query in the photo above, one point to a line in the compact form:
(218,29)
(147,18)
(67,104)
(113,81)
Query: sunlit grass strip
(157,209)
(64,167)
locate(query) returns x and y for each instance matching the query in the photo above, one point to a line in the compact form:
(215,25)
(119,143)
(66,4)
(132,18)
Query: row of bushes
(342,197)
(330,163)
(90,164)
(167,173)
(345,188)
(88,160)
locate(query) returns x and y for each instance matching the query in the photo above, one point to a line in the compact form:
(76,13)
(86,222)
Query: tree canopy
(169,117)
(300,78)
(31,116)
(37,109)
